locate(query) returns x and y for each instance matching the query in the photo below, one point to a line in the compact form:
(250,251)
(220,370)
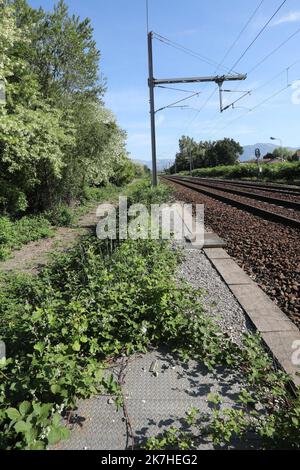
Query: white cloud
(291,17)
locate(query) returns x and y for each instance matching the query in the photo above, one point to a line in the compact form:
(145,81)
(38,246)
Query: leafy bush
(270,172)
(61,216)
(89,306)
(55,134)
(143,193)
(95,194)
(15,234)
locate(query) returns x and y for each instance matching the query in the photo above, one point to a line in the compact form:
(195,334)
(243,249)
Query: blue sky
(209,28)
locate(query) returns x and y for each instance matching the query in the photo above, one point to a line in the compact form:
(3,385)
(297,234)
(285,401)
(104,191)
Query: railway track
(268,207)
(268,251)
(270,187)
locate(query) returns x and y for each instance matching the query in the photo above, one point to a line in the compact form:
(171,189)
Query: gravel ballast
(218,301)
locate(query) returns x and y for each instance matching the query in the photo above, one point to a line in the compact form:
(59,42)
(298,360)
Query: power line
(258,35)
(266,99)
(278,92)
(242,32)
(222,61)
(286,69)
(147,15)
(186,50)
(176,102)
(274,51)
(176,89)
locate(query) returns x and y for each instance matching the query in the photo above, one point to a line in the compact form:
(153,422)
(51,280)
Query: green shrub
(12,200)
(143,193)
(95,194)
(270,172)
(60,216)
(15,234)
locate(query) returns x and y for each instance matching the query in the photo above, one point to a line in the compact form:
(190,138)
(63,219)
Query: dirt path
(32,257)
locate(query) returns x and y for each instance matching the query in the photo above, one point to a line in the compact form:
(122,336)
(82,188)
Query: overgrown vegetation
(15,234)
(104,299)
(56,136)
(264,409)
(286,172)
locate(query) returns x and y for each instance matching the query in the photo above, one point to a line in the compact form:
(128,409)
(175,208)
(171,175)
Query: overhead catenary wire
(269,98)
(270,54)
(258,35)
(274,51)
(147,15)
(176,102)
(175,89)
(186,50)
(222,61)
(286,69)
(241,32)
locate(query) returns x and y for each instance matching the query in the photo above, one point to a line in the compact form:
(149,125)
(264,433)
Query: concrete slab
(216,253)
(154,402)
(256,303)
(231,272)
(278,332)
(211,240)
(285,347)
(97,426)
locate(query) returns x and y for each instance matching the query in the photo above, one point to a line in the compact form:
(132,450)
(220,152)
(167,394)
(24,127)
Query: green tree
(282,152)
(224,152)
(64,55)
(54,126)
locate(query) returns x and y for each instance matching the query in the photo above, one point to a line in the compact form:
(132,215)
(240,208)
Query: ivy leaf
(55,389)
(76,346)
(39,347)
(24,408)
(295,421)
(13,414)
(22,427)
(54,436)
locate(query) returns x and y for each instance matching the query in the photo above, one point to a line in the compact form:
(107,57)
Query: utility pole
(152,109)
(191,163)
(188,150)
(152,82)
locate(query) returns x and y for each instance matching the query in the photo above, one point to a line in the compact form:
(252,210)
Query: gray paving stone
(264,313)
(231,272)
(282,345)
(216,253)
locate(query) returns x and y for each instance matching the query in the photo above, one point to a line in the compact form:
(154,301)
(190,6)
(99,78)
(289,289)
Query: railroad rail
(246,193)
(222,195)
(270,187)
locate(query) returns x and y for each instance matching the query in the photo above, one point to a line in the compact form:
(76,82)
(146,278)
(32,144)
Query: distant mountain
(249,150)
(249,154)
